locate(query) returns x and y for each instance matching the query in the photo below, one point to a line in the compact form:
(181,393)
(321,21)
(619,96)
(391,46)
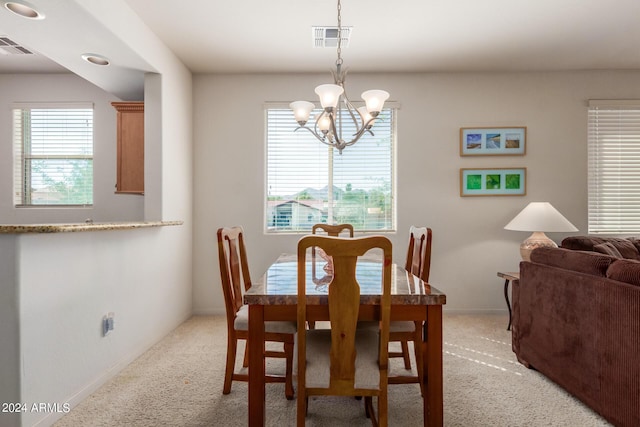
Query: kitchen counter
(81,226)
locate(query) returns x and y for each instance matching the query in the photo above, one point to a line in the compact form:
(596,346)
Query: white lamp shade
(301,111)
(375,100)
(540,216)
(329,95)
(364,113)
(324,123)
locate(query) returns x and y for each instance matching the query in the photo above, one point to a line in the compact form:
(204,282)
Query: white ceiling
(400,35)
(250,36)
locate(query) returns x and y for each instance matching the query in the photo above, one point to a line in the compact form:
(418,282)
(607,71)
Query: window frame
(394,107)
(613,159)
(24,152)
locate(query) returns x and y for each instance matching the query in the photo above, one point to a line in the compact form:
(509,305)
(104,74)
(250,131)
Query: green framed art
(493,182)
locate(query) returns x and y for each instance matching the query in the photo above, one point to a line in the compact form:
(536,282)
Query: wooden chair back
(234,269)
(419,253)
(332,230)
(234,273)
(344,304)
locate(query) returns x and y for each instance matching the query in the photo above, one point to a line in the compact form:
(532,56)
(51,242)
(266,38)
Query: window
(614,167)
(309,182)
(53,155)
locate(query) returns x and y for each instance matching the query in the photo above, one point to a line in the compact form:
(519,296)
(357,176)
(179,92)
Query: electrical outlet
(108,323)
(105,326)
(111,320)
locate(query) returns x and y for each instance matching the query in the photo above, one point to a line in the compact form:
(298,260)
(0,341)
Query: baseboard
(209,312)
(475,311)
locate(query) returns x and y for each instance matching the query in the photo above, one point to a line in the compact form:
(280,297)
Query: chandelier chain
(339,60)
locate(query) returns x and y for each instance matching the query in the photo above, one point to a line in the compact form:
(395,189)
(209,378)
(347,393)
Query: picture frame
(493,141)
(493,182)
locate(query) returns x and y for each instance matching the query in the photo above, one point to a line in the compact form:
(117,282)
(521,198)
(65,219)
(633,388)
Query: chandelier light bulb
(324,124)
(364,113)
(329,95)
(375,100)
(301,111)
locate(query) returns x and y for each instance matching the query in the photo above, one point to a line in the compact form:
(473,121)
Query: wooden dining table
(274,297)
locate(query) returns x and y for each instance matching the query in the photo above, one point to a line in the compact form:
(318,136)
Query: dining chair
(234,271)
(344,360)
(331,230)
(418,263)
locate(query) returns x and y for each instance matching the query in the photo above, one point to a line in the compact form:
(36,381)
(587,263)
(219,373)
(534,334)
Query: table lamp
(538,217)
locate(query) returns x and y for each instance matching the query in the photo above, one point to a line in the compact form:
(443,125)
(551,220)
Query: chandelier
(328,126)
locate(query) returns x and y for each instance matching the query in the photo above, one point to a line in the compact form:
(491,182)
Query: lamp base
(537,240)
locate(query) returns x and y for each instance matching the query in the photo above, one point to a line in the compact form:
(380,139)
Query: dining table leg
(432,363)
(256,366)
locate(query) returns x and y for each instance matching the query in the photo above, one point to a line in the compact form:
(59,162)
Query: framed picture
(493,182)
(493,141)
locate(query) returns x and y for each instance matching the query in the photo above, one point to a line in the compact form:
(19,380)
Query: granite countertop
(81,226)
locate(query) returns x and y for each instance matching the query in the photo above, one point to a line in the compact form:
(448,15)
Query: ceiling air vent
(328,36)
(9,47)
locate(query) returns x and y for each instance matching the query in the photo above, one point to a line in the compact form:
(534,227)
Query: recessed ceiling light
(23,9)
(95,59)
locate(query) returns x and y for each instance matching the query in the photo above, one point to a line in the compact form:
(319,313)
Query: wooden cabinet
(130,172)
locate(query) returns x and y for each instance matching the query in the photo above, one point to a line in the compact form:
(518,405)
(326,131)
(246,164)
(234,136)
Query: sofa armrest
(581,331)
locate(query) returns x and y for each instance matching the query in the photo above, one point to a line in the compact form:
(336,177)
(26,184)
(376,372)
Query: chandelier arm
(350,108)
(361,131)
(333,127)
(356,138)
(318,137)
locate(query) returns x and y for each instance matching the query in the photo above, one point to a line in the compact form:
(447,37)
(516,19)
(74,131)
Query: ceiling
(400,35)
(250,36)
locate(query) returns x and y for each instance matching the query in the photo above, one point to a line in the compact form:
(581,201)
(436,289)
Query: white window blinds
(53,155)
(614,167)
(309,182)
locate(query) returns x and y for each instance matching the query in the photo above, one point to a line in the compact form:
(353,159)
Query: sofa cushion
(608,249)
(582,261)
(625,270)
(626,247)
(581,243)
(635,241)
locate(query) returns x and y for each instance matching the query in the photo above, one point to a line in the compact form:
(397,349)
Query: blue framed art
(493,141)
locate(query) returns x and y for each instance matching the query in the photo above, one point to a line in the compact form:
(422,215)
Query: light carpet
(178,383)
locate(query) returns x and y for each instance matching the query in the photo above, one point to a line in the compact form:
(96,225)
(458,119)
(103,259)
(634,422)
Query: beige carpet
(179,383)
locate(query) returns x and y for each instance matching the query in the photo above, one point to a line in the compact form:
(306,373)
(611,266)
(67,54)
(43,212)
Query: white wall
(107,205)
(56,352)
(470,244)
(68,282)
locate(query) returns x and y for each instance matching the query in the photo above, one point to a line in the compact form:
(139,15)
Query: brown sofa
(576,319)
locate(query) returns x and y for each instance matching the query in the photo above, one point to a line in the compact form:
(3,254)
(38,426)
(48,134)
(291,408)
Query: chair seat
(318,345)
(242,323)
(395,326)
(402,326)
